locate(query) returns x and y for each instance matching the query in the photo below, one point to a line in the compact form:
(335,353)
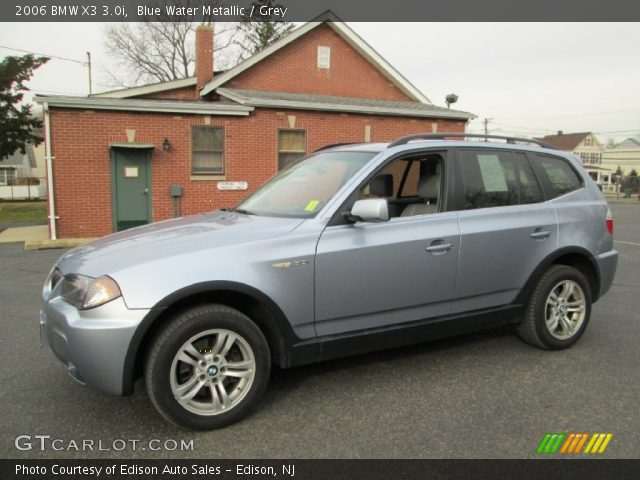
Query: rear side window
(498,178)
(528,187)
(562,177)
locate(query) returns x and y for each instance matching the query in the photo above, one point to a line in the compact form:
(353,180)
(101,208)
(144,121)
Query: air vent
(324,57)
(56,276)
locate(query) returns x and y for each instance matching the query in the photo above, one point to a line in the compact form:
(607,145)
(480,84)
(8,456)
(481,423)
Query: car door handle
(439,247)
(538,234)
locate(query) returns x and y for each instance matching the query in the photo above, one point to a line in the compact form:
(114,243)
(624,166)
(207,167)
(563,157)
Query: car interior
(412,185)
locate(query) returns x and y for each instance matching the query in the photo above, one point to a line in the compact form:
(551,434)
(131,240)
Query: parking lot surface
(485,395)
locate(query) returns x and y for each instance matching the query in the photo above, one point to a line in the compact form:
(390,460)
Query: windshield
(302,189)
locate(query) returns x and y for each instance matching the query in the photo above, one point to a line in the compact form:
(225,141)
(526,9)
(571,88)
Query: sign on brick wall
(233,185)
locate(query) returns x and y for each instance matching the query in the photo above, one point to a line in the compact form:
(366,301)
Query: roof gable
(566,141)
(19,159)
(149,89)
(629,143)
(346,34)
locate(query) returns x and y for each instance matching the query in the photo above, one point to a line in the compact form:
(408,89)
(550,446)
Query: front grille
(56,276)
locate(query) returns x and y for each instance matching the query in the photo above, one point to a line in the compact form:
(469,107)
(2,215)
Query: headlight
(86,292)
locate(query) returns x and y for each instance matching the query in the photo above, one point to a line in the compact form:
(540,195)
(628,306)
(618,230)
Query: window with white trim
(292,146)
(207,150)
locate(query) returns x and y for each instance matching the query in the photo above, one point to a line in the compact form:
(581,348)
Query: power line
(620,131)
(637,110)
(509,129)
(591,131)
(524,128)
(44,55)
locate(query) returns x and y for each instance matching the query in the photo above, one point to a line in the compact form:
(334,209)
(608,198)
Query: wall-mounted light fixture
(166,145)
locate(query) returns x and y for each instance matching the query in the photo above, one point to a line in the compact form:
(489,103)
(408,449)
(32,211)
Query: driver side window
(412,185)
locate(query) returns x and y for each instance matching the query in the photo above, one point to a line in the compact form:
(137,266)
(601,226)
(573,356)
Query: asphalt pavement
(485,395)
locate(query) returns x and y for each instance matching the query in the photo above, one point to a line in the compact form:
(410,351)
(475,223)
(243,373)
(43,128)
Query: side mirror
(371,210)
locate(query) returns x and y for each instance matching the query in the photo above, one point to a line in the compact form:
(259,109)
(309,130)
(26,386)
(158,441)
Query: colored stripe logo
(574,443)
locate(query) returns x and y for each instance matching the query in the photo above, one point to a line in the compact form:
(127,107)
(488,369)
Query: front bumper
(92,343)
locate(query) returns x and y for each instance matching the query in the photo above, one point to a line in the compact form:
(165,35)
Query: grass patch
(23,212)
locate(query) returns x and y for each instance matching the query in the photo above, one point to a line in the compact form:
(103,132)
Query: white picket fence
(22,192)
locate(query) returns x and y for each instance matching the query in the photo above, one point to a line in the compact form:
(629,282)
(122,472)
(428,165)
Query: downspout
(49,158)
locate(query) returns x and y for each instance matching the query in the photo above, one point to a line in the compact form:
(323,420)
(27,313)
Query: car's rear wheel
(558,310)
(208,367)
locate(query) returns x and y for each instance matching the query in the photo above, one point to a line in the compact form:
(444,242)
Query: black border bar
(306,10)
(578,469)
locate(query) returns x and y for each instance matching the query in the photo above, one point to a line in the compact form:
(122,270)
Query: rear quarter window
(560,174)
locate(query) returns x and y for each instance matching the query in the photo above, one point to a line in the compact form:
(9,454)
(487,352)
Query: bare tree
(160,49)
(259,31)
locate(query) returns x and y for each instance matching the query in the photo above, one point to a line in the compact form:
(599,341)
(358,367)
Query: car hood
(168,238)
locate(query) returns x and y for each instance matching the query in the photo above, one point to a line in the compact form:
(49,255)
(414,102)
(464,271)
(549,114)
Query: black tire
(533,329)
(170,340)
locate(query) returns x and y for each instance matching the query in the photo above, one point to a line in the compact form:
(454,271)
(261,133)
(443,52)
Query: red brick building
(149,153)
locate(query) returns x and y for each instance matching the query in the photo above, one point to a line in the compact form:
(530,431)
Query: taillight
(609,221)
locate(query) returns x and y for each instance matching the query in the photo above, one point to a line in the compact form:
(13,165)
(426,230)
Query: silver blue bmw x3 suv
(356,248)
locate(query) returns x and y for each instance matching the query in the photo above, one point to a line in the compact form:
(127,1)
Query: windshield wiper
(242,210)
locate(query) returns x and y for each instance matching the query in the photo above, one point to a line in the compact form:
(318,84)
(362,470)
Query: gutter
(153,106)
(49,158)
(346,108)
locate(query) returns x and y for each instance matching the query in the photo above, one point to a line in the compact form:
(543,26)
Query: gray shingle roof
(303,101)
(565,141)
(18,159)
(629,143)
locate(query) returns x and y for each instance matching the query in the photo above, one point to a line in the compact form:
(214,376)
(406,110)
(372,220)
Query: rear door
(506,228)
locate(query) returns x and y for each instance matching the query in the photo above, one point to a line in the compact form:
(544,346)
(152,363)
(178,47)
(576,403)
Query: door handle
(145,191)
(540,234)
(438,247)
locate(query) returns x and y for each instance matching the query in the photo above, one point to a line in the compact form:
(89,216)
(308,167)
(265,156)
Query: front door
(375,275)
(131,182)
(371,275)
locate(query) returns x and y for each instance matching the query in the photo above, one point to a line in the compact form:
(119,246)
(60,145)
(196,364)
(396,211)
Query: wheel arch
(258,306)
(576,257)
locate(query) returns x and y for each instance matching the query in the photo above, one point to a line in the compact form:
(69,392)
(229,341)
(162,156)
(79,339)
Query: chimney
(559,132)
(204,56)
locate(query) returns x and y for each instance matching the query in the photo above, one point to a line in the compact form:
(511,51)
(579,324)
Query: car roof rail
(447,135)
(333,145)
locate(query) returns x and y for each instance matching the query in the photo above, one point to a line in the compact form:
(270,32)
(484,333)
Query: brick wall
(185,93)
(294,69)
(82,175)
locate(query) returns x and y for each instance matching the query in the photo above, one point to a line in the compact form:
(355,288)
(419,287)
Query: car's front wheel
(208,367)
(558,310)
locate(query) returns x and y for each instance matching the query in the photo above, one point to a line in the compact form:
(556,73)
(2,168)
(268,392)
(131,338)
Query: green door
(131,182)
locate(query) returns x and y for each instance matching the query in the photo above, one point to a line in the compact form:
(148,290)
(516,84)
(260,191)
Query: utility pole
(89,65)
(486,127)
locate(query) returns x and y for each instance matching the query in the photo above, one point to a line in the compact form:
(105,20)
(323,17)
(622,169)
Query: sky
(528,79)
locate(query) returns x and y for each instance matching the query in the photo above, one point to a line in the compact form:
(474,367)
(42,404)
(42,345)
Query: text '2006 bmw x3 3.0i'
(355,248)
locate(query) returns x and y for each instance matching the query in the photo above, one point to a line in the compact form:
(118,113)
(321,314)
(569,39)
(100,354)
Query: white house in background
(16,166)
(625,155)
(22,175)
(588,148)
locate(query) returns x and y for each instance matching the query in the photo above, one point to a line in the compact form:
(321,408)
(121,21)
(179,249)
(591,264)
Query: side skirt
(363,341)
